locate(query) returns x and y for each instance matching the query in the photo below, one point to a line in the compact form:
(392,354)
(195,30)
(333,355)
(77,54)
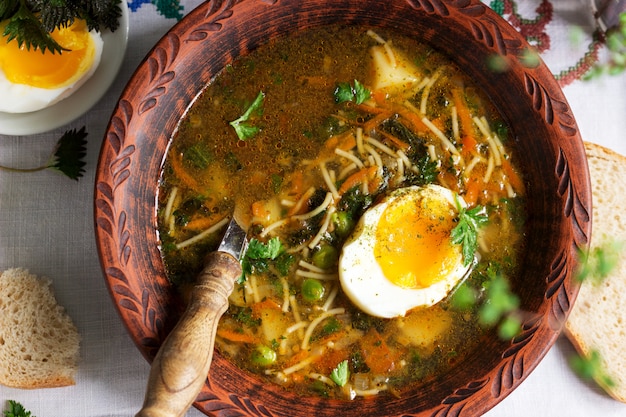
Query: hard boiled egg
(31,80)
(400,255)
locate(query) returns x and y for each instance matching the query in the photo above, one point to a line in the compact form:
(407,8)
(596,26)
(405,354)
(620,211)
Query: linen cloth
(46,224)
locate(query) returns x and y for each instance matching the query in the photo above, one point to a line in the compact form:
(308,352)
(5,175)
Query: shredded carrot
(379,97)
(375,121)
(235,336)
(176,163)
(469,146)
(266,304)
(514,178)
(368,173)
(400,144)
(377,355)
(413,118)
(463,112)
(297,358)
(259,210)
(325,363)
(472,190)
(203,223)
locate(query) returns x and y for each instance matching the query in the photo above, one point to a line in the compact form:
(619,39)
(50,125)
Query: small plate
(84,98)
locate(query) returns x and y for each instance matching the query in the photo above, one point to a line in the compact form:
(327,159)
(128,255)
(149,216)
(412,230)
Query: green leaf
(591,367)
(16,410)
(69,154)
(357,93)
(257,256)
(242,126)
(340,374)
(465,233)
(29,32)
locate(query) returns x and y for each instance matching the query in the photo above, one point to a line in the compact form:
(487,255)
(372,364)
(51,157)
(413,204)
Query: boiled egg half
(31,80)
(400,255)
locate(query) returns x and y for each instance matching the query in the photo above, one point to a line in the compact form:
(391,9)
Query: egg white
(362,278)
(22,98)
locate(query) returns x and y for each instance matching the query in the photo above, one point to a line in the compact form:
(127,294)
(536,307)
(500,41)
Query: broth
(309,165)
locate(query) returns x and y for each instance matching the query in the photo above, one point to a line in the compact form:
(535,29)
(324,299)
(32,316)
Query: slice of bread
(39,343)
(597,320)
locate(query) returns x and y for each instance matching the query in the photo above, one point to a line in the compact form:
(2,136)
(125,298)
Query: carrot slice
(235,336)
(359,177)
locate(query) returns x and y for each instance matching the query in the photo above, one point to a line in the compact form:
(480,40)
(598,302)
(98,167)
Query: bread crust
(597,320)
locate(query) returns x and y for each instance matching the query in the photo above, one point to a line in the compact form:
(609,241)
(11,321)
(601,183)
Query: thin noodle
(311,267)
(343,174)
(350,156)
(359,140)
(375,36)
(317,210)
(170,203)
(490,166)
(217,226)
(455,124)
(444,140)
(286,294)
(303,199)
(295,310)
(426,93)
(300,365)
(375,155)
(316,275)
(271,227)
(470,167)
(369,392)
(323,229)
(331,298)
(381,146)
(329,183)
(322,378)
(316,321)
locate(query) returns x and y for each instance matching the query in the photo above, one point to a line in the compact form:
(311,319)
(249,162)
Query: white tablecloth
(46,225)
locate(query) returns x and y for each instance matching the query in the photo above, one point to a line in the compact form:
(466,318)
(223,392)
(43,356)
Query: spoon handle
(182,364)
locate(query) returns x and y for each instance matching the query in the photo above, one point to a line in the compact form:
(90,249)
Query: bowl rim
(123,201)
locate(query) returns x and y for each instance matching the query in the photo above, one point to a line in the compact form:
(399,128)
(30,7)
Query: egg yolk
(48,70)
(413,245)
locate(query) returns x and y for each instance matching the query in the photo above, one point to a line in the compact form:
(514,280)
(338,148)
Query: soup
(375,181)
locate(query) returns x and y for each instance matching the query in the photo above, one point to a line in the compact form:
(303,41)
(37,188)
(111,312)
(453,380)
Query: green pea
(312,290)
(263,355)
(344,223)
(326,257)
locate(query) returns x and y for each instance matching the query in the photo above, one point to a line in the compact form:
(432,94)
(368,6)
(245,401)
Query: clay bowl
(215,34)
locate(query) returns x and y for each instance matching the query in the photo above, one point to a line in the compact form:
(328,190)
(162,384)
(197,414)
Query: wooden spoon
(182,363)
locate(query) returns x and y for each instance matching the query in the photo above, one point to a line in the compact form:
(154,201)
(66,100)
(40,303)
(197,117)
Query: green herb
(356,92)
(257,256)
(242,126)
(340,374)
(591,367)
(599,262)
(16,410)
(30,22)
(244,316)
(500,301)
(465,232)
(616,46)
(67,157)
(199,155)
(428,170)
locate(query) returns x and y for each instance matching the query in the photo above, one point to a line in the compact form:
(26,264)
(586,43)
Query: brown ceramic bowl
(216,33)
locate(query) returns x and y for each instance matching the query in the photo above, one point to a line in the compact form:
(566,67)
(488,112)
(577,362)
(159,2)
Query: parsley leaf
(465,232)
(356,92)
(67,157)
(242,126)
(16,410)
(340,374)
(257,256)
